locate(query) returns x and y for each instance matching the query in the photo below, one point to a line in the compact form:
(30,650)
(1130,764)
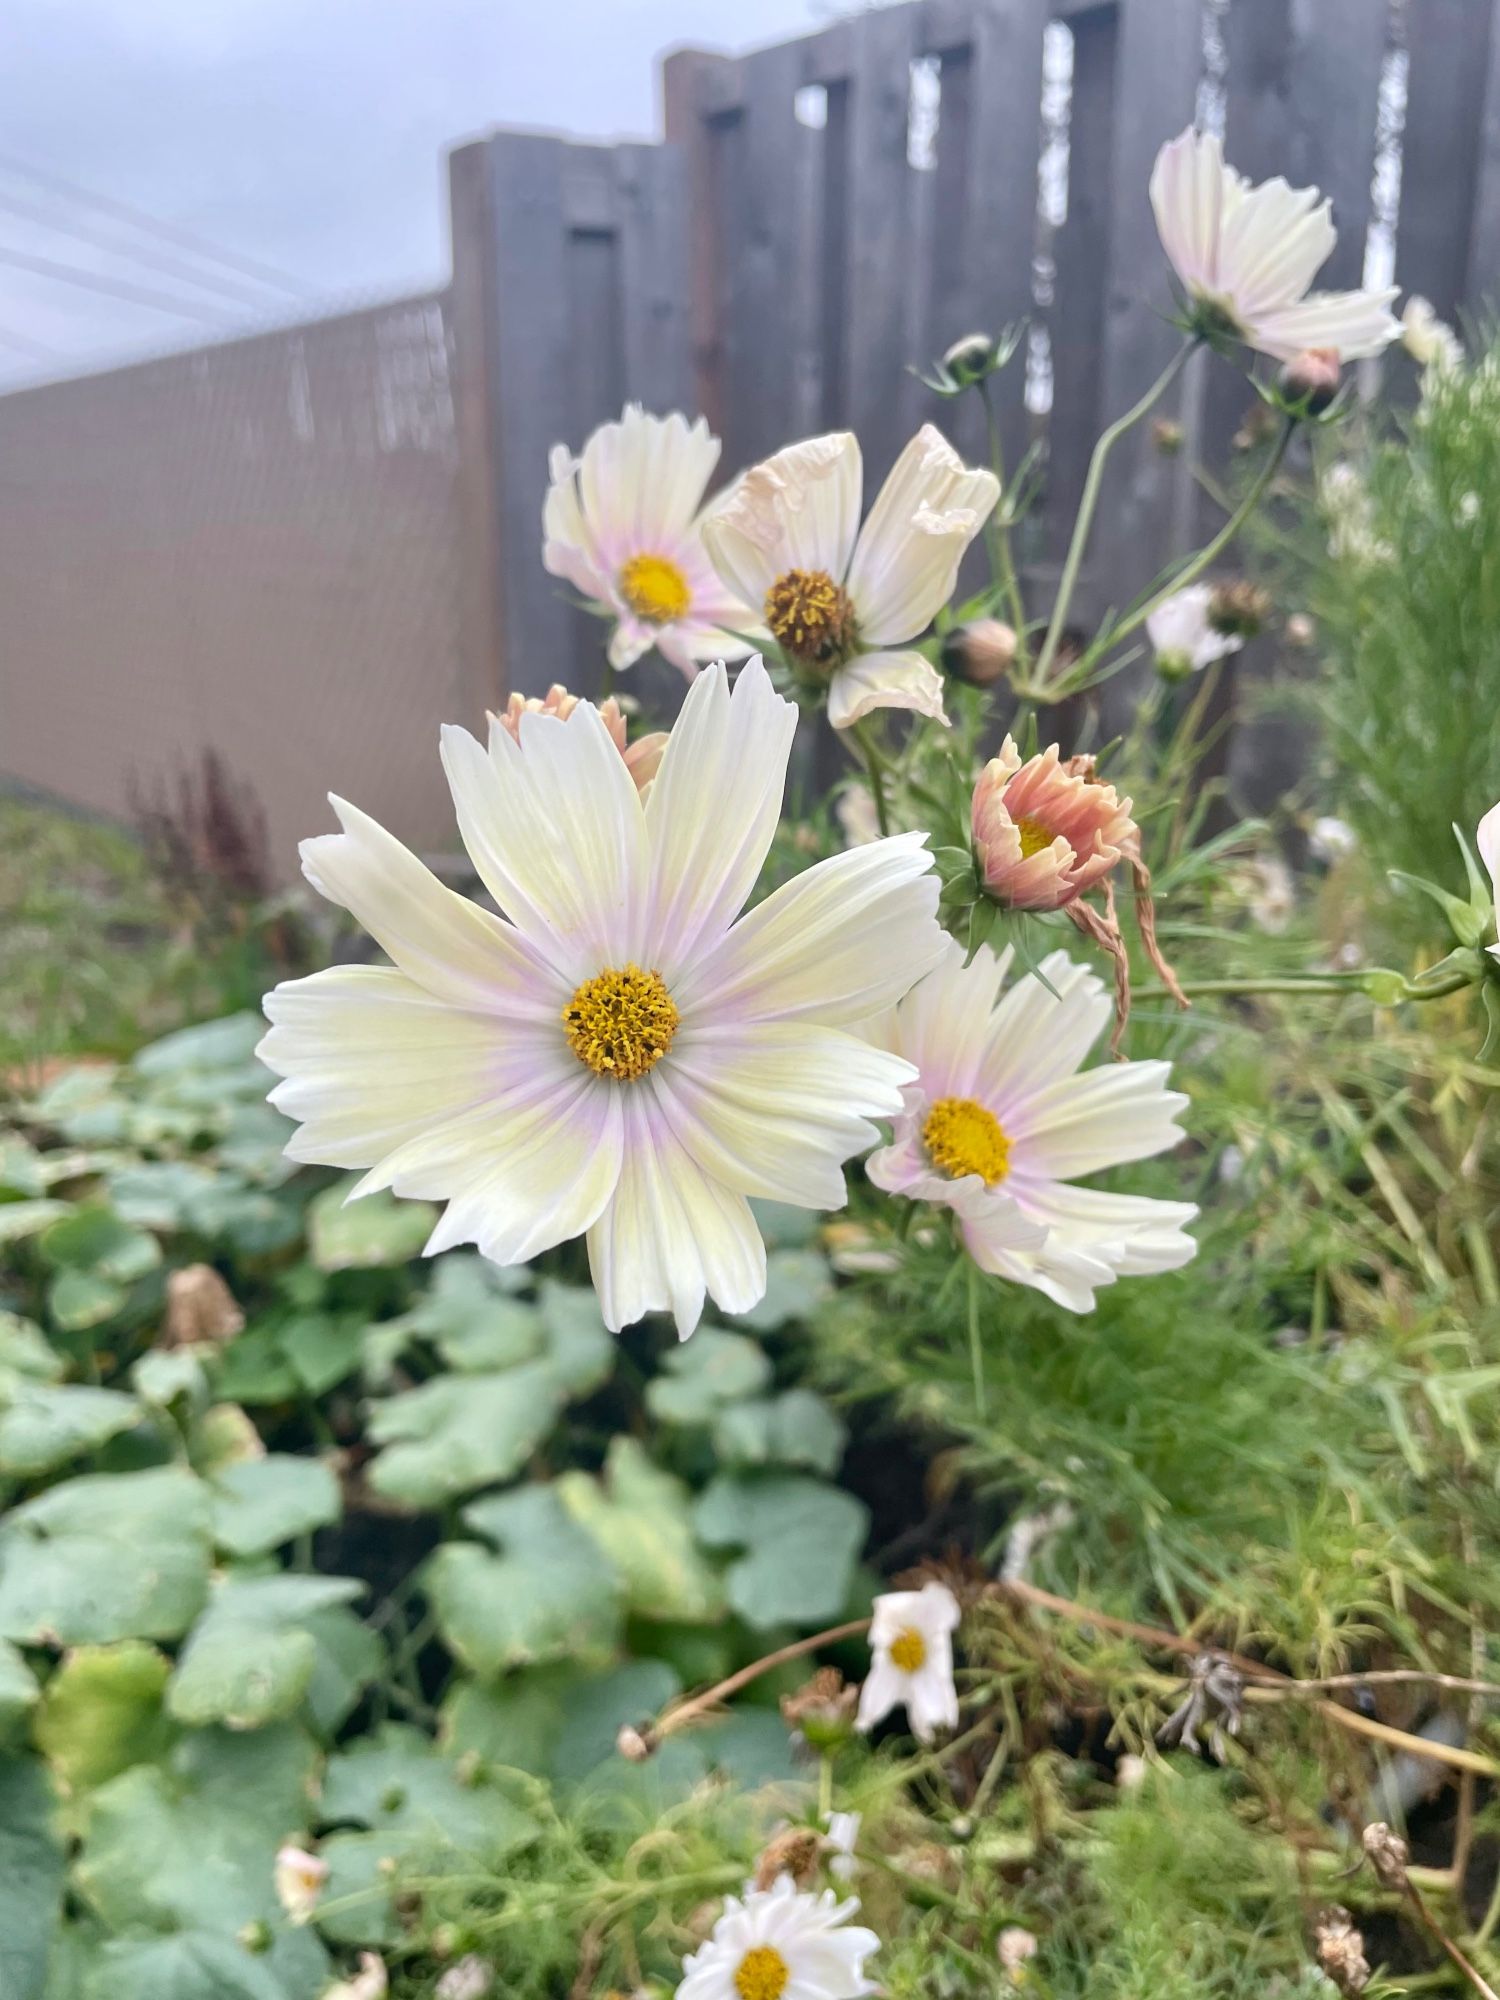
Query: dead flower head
(1216,1693)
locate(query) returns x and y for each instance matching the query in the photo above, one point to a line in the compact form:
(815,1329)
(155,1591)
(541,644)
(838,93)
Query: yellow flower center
(909,1650)
(962,1138)
(762,1974)
(811,617)
(1034,837)
(655,589)
(621,1022)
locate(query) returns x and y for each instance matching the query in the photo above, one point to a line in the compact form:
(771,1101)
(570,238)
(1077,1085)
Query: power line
(173,232)
(119,288)
(161,260)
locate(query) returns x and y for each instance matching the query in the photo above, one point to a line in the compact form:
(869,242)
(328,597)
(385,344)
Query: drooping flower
(1430,341)
(642,758)
(782,1944)
(1000,1125)
(616,1055)
(1184,636)
(844,602)
(1487,840)
(911,1664)
(1247,257)
(623,523)
(299,1878)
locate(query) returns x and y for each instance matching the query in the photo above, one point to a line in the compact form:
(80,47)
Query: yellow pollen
(962,1138)
(909,1650)
(762,1974)
(655,589)
(621,1022)
(811,617)
(1034,837)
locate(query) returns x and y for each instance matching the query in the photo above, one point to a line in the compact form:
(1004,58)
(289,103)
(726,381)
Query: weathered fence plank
(1448,58)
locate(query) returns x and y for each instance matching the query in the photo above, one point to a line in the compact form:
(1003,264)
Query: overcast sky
(307,134)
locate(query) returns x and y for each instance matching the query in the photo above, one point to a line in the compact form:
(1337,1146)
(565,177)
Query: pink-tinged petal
(712,811)
(630,641)
(457,951)
(554,826)
(905,1168)
(906,560)
(1354,324)
(885,680)
(840,942)
(567,546)
(945,1025)
(671,1235)
(1273,243)
(798,510)
(1188,186)
(775,1110)
(642,479)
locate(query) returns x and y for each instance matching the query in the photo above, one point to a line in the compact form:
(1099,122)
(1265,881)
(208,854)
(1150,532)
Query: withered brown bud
(796,1851)
(822,1711)
(1341,1952)
(634,1745)
(1311,379)
(1239,610)
(981,653)
(1167,436)
(1388,1855)
(200,1307)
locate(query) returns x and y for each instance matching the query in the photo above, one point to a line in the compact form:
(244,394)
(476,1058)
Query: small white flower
(1487,839)
(1269,891)
(844,602)
(621,1055)
(1247,256)
(299,1878)
(779,1944)
(1180,631)
(1429,341)
(623,523)
(911,1643)
(1331,838)
(1014,1947)
(839,1845)
(469,1979)
(999,1125)
(369,1983)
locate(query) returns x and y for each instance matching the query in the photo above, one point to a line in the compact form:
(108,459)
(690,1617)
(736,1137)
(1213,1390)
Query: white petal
(567,546)
(1487,838)
(642,480)
(906,560)
(946,1023)
(1188,186)
(554,826)
(713,810)
(883,1690)
(836,944)
(776,1110)
(458,951)
(884,680)
(1354,324)
(1039,1037)
(931,1697)
(1100,1119)
(1133,1233)
(671,1234)
(1274,241)
(798,510)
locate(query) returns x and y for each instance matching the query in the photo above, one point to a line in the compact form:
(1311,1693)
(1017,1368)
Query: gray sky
(307,134)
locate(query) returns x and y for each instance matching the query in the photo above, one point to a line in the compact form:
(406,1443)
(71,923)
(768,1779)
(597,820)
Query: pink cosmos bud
(1046,830)
(980,653)
(1311,379)
(642,759)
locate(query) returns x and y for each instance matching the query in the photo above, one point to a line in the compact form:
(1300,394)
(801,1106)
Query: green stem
(1002,555)
(873,760)
(976,1351)
(1091,487)
(825,1788)
(1318,982)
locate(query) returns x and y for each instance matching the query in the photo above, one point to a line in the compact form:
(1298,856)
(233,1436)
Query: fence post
(475,416)
(1449,49)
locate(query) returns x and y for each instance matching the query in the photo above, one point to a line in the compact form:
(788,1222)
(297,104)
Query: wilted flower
(642,758)
(794,1851)
(844,602)
(780,1942)
(1238,610)
(1184,636)
(1247,257)
(1341,1952)
(371,1982)
(470,1979)
(911,1641)
(201,1309)
(616,1055)
(1000,1124)
(1215,1696)
(1046,830)
(1429,341)
(299,1878)
(623,523)
(822,1710)
(980,653)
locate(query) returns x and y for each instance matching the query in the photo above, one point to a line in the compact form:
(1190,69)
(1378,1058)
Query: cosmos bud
(1311,380)
(969,360)
(1167,436)
(981,653)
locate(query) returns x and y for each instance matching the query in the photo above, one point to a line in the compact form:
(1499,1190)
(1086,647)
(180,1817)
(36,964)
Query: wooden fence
(796,243)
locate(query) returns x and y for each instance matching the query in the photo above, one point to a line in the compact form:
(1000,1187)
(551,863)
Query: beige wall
(252,547)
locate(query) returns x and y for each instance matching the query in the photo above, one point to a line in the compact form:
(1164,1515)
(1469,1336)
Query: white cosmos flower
(1430,341)
(843,601)
(1487,839)
(622,522)
(1180,631)
(911,1666)
(1000,1124)
(1247,256)
(299,1878)
(781,1944)
(615,1054)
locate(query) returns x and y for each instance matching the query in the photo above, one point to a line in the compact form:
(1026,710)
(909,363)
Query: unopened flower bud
(633,1745)
(969,360)
(1174,666)
(1310,380)
(981,653)
(1239,610)
(1167,436)
(256,1937)
(1300,631)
